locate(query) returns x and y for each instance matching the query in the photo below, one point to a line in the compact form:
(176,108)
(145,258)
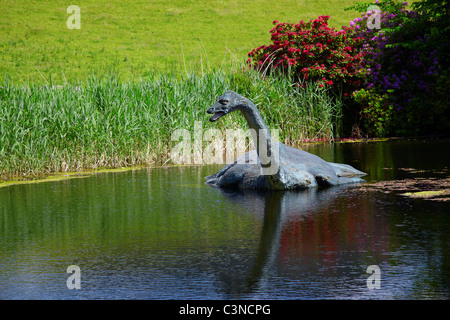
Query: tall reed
(108,123)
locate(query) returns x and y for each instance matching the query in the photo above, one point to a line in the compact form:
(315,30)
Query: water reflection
(163,234)
(276,208)
(314,238)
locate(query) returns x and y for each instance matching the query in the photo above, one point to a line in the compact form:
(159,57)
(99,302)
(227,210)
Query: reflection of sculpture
(294,168)
(276,209)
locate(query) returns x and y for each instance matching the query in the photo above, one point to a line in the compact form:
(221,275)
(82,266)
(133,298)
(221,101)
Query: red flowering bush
(312,51)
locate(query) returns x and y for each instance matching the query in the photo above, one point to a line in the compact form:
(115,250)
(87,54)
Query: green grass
(106,123)
(141,37)
(174,58)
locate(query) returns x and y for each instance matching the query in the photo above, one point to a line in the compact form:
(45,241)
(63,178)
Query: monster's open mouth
(217,115)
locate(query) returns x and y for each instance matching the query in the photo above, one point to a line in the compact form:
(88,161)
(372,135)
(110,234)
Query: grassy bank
(139,36)
(107,123)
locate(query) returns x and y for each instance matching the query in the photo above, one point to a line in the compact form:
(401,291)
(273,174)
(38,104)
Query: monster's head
(226,103)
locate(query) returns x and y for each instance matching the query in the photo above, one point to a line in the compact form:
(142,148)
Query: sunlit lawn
(136,37)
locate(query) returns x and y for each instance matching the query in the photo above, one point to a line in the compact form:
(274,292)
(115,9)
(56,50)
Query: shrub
(313,52)
(406,67)
(376,112)
(403,68)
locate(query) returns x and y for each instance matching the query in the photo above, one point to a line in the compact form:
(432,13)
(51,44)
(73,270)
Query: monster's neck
(266,147)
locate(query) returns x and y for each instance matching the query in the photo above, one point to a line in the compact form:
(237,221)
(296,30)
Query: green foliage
(384,5)
(376,112)
(433,22)
(407,63)
(104,123)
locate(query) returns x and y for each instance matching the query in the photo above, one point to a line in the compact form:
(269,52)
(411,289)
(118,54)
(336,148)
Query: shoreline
(59,176)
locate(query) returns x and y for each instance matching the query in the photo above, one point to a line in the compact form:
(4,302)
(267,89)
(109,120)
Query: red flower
(319,52)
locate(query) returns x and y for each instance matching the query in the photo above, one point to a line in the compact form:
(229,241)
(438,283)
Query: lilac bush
(401,81)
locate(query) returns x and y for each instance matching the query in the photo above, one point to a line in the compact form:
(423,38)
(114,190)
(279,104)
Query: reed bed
(108,123)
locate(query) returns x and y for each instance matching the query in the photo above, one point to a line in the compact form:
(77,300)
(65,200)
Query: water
(163,234)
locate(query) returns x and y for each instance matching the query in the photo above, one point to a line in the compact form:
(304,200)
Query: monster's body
(283,167)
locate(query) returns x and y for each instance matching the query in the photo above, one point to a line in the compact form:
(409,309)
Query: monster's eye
(223,101)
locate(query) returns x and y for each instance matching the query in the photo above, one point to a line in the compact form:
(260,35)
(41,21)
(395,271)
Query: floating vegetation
(436,194)
(427,188)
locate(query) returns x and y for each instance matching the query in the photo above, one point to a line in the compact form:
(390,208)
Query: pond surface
(163,234)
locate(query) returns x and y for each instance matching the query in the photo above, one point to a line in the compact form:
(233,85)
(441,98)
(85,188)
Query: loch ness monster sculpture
(273,165)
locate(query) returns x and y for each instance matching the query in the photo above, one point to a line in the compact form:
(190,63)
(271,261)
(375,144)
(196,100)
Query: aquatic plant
(106,123)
